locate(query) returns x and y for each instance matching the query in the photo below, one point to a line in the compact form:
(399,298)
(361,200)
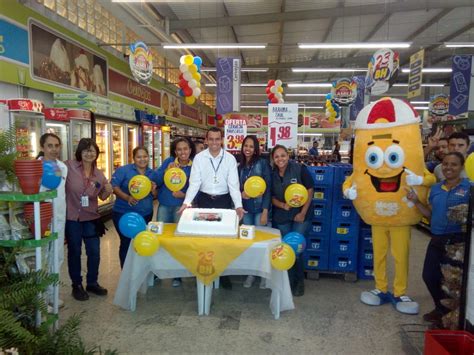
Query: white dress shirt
(214,176)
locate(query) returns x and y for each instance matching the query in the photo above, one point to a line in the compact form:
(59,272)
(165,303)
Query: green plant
(8,153)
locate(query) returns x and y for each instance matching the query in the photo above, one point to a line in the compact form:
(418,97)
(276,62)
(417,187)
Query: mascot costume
(388,157)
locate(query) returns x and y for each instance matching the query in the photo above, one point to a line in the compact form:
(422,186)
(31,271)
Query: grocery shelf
(28,243)
(18,196)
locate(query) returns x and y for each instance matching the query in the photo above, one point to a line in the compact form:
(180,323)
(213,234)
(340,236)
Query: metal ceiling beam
(373,9)
(428,24)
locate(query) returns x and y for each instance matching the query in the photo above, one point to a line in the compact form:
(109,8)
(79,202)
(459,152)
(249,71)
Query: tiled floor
(328,319)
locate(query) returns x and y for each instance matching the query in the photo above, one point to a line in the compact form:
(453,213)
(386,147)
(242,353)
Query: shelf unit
(38,242)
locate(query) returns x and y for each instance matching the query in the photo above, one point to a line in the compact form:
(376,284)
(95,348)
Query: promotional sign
(344,91)
(358,103)
(382,72)
(129,88)
(439,105)
(13,42)
(235,132)
(461,85)
(416,76)
(141,62)
(282,125)
(170,104)
(228,85)
(254,120)
(63,62)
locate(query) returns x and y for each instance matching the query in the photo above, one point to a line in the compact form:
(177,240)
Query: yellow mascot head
(387,147)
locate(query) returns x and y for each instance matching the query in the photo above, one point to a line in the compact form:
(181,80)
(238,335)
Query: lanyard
(218,166)
(245,177)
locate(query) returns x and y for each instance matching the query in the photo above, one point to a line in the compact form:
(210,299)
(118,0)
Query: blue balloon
(181,92)
(198,61)
(328,97)
(51,175)
(296,240)
(131,223)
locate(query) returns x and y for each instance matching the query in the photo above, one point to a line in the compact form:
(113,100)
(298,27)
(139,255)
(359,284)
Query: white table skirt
(254,261)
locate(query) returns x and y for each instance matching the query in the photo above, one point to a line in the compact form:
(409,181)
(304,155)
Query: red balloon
(181,76)
(267,90)
(271,96)
(274,100)
(271,82)
(187,91)
(183,83)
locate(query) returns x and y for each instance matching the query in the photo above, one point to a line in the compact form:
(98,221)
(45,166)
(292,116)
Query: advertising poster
(461,85)
(141,62)
(382,71)
(170,104)
(439,110)
(228,85)
(282,125)
(358,104)
(253,120)
(60,61)
(235,132)
(416,75)
(344,91)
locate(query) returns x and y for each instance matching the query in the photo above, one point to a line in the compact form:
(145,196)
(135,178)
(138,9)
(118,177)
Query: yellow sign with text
(416,75)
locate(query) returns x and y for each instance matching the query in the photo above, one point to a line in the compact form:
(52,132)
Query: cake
(208,222)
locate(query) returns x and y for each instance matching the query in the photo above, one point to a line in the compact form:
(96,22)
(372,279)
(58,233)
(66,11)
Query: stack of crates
(344,236)
(316,255)
(365,268)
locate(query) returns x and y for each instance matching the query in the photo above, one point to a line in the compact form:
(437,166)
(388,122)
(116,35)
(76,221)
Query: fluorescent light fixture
(248,70)
(421,107)
(307,107)
(327,70)
(265,106)
(430,70)
(214,45)
(309,85)
(361,45)
(419,102)
(253,106)
(425,85)
(319,95)
(459,44)
(254,95)
(310,134)
(244,84)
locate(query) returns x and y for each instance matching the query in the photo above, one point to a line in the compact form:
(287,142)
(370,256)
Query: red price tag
(234,142)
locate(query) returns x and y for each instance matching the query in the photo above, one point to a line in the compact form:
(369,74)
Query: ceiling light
(424,85)
(459,44)
(254,95)
(249,70)
(309,85)
(253,106)
(421,107)
(364,45)
(305,107)
(419,102)
(430,70)
(305,95)
(244,84)
(309,134)
(326,70)
(214,45)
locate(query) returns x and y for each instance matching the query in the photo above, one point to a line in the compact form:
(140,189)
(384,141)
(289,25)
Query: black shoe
(97,289)
(79,293)
(298,291)
(433,317)
(225,282)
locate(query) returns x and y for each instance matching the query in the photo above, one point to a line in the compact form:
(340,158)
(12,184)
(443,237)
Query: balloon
(278,95)
(197,76)
(255,186)
(51,175)
(267,89)
(274,100)
(271,96)
(190,100)
(183,83)
(188,76)
(296,195)
(271,82)
(175,178)
(187,91)
(282,101)
(273,89)
(131,223)
(199,84)
(192,83)
(181,60)
(181,93)
(282,257)
(296,241)
(328,97)
(280,89)
(183,68)
(146,243)
(198,61)
(188,59)
(469,166)
(193,68)
(278,83)
(139,186)
(196,92)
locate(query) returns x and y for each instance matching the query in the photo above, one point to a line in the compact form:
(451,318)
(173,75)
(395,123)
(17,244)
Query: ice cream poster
(60,61)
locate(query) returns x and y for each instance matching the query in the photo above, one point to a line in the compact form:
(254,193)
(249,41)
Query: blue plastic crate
(316,260)
(320,228)
(322,193)
(366,255)
(342,262)
(338,195)
(365,272)
(321,210)
(344,211)
(345,229)
(341,172)
(343,246)
(317,244)
(322,175)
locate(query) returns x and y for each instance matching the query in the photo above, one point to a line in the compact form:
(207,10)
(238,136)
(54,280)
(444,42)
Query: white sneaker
(375,297)
(249,281)
(263,283)
(406,305)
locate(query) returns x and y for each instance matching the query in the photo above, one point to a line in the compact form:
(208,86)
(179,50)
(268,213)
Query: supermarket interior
(236,176)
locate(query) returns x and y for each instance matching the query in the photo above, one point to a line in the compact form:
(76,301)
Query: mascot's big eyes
(374,157)
(394,156)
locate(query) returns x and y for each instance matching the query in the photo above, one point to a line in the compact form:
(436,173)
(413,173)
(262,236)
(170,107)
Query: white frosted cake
(208,222)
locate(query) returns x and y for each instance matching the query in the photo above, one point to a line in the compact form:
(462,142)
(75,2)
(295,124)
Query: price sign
(282,125)
(235,132)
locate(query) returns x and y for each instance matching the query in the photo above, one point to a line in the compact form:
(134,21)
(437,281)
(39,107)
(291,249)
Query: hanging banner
(282,125)
(461,85)
(141,62)
(439,105)
(13,42)
(228,85)
(382,72)
(235,132)
(416,75)
(358,104)
(344,91)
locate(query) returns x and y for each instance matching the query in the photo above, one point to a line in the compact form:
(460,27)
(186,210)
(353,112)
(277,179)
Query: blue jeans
(124,241)
(167,214)
(296,273)
(76,232)
(252,219)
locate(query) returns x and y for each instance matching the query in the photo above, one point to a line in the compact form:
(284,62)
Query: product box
(155,227)
(247,232)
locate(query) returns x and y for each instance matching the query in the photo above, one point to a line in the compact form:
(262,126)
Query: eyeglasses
(89,151)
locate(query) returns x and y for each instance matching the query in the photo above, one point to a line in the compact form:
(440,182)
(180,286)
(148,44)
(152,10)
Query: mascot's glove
(351,193)
(413,179)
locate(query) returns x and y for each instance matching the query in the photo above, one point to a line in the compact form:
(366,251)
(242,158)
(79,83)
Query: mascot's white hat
(386,113)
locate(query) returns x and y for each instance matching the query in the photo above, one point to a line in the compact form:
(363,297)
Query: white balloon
(196,92)
(282,101)
(278,95)
(183,68)
(187,76)
(181,60)
(192,83)
(273,89)
(278,83)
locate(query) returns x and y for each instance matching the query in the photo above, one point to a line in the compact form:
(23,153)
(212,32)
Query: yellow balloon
(139,186)
(197,76)
(296,195)
(193,68)
(146,243)
(282,257)
(469,166)
(190,100)
(199,84)
(280,89)
(255,186)
(175,179)
(189,59)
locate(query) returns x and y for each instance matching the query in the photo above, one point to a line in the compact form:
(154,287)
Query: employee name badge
(84,201)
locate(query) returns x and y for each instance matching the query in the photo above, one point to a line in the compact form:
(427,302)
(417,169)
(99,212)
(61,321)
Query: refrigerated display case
(166,142)
(80,126)
(151,140)
(118,147)
(57,122)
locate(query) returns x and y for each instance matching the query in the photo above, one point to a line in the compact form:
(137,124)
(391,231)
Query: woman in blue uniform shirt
(447,209)
(125,203)
(251,164)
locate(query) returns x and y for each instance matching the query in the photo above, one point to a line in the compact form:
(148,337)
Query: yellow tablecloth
(206,257)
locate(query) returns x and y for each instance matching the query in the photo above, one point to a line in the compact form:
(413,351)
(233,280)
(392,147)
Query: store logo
(141,62)
(205,266)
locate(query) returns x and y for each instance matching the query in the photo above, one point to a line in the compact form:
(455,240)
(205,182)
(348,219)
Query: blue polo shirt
(165,195)
(121,178)
(449,207)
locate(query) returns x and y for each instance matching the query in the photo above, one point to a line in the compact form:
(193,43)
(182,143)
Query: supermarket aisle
(329,319)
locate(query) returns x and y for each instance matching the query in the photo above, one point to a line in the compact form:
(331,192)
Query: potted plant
(8,154)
